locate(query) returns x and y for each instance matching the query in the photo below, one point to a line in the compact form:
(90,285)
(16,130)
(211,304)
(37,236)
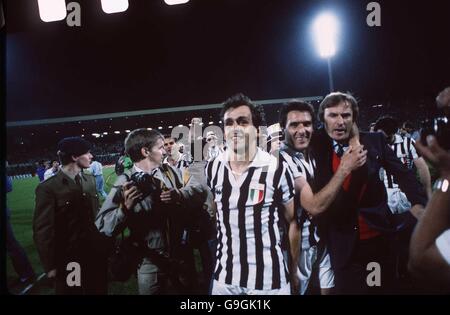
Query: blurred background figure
(274,138)
(40,170)
(408,130)
(52,170)
(96,169)
(403,147)
(172,153)
(214,148)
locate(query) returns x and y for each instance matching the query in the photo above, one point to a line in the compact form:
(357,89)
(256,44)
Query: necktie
(78,181)
(339,150)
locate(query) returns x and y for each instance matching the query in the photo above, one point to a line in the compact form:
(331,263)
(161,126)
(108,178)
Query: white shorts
(315,267)
(220,288)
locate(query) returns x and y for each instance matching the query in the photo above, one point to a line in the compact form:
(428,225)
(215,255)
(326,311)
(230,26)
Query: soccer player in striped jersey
(297,119)
(404,149)
(250,190)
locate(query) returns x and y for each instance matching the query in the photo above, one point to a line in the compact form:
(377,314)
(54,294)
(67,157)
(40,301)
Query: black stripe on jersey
(306,163)
(226,193)
(215,179)
(219,249)
(209,167)
(243,195)
(259,283)
(290,182)
(312,239)
(410,155)
(390,180)
(277,198)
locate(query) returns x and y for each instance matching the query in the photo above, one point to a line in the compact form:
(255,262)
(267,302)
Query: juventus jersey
(249,251)
(304,167)
(403,148)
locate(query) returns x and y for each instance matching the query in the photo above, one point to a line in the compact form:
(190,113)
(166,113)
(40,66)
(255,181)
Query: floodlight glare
(52,10)
(325,30)
(173,2)
(114,6)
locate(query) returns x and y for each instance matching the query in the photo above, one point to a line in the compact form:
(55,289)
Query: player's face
(338,121)
(240,133)
(168,145)
(299,129)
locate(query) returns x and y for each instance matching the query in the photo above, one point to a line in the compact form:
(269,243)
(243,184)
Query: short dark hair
(138,139)
(334,99)
(258,117)
(388,124)
(64,158)
(295,105)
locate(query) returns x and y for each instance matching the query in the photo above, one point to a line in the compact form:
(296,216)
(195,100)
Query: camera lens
(439,128)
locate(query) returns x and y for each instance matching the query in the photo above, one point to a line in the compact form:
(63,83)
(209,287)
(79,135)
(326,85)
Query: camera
(439,127)
(145,183)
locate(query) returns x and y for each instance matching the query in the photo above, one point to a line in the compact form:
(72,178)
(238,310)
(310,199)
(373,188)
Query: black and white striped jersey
(404,149)
(249,253)
(304,167)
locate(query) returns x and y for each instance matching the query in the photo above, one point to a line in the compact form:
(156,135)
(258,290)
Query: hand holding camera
(131,195)
(170,196)
(139,186)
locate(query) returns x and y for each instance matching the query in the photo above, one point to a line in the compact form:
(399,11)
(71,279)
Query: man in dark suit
(358,224)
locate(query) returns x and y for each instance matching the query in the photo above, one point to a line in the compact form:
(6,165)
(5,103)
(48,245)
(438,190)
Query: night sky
(154,55)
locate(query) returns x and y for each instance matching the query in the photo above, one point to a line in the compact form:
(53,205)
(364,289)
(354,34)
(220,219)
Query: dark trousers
(17,254)
(354,277)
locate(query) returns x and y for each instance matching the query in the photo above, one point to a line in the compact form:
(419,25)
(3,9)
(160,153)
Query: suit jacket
(339,224)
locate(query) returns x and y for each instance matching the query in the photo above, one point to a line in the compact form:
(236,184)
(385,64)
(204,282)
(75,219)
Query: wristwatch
(441,184)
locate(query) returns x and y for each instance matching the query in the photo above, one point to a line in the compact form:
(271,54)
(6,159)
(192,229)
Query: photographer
(147,199)
(430,242)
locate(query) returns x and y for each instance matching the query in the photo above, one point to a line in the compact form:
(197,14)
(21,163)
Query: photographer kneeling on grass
(148,199)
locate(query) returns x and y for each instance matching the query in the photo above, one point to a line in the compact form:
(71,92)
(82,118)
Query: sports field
(21,203)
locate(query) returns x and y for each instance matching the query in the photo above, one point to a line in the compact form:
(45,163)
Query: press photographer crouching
(147,199)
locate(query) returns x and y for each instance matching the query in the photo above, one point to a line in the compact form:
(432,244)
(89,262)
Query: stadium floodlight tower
(326,30)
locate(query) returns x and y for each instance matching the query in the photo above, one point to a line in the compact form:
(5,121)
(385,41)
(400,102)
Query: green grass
(21,203)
